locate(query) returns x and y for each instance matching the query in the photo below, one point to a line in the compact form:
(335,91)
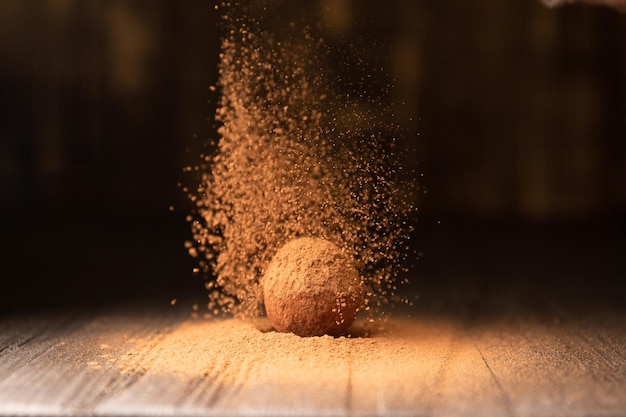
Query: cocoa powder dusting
(302,152)
(311,288)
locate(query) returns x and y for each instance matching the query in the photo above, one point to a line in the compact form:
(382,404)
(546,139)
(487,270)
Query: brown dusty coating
(312,288)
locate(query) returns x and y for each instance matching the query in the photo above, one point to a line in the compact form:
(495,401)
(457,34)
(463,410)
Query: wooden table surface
(141,361)
(510,322)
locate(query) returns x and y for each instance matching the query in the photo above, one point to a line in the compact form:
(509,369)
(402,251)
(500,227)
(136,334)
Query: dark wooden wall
(519,108)
(101,101)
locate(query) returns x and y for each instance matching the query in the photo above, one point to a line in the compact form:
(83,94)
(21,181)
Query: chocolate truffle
(312,288)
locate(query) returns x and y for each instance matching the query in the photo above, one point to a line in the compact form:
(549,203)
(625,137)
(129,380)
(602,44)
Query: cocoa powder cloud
(297,157)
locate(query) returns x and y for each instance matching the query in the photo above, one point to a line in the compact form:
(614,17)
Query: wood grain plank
(137,363)
(25,338)
(77,367)
(546,369)
(398,372)
(186,373)
(598,346)
(469,386)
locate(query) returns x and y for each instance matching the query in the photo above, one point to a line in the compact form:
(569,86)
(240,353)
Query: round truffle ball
(312,288)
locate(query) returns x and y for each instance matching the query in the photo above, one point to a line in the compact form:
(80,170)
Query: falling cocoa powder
(296,157)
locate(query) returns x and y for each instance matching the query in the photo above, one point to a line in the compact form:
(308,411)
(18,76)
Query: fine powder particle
(302,152)
(311,288)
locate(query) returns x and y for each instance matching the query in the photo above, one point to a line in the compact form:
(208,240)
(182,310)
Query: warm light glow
(394,368)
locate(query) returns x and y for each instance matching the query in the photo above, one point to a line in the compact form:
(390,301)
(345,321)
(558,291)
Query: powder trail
(296,157)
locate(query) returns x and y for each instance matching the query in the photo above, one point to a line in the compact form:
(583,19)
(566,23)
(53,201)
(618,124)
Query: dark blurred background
(516,114)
